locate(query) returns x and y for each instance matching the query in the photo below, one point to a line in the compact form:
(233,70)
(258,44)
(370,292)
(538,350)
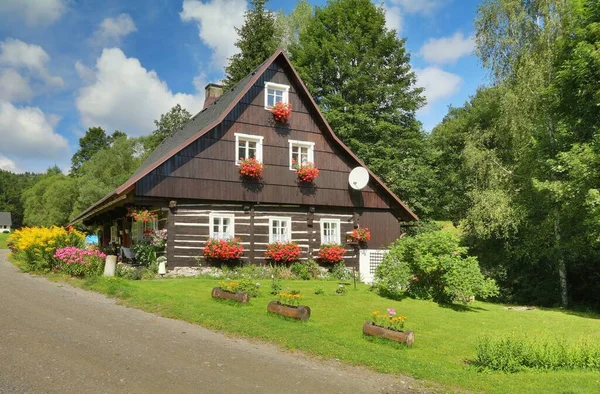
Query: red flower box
(283,252)
(306,172)
(361,234)
(222,249)
(281,112)
(332,253)
(251,168)
(141,215)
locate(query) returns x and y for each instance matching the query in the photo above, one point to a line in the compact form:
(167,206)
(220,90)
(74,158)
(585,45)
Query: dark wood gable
(206,169)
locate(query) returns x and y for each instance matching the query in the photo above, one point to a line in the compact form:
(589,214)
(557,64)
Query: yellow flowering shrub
(37,245)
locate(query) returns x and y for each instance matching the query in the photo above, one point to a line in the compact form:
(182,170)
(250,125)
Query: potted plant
(306,172)
(230,291)
(223,250)
(141,215)
(281,112)
(288,305)
(361,235)
(251,168)
(388,325)
(331,253)
(283,252)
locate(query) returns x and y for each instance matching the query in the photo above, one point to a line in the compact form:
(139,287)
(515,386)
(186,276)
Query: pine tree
(358,71)
(259,37)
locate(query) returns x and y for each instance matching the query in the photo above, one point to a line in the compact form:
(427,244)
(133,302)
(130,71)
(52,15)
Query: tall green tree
(11,188)
(359,73)
(259,37)
(166,126)
(294,23)
(94,140)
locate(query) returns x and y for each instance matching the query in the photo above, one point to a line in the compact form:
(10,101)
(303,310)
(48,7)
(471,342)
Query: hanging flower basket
(283,252)
(307,172)
(281,112)
(361,234)
(251,168)
(223,250)
(331,254)
(141,215)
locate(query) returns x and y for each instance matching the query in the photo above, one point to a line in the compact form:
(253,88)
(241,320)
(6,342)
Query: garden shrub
(79,262)
(145,253)
(514,354)
(129,273)
(340,272)
(306,270)
(36,246)
(433,266)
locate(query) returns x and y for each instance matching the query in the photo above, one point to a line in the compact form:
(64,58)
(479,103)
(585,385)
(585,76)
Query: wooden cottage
(193,181)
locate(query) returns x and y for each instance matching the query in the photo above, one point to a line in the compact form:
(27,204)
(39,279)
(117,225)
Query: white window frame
(288,228)
(229,216)
(251,138)
(285,89)
(339,231)
(303,144)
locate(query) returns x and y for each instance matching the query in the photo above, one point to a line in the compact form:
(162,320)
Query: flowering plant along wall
(283,252)
(223,250)
(251,168)
(307,172)
(331,254)
(361,234)
(281,112)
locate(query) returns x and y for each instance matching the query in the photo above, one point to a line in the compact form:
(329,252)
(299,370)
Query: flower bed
(388,325)
(283,252)
(79,262)
(223,250)
(251,168)
(281,112)
(331,254)
(289,305)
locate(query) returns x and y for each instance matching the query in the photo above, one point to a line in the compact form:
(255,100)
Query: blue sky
(66,65)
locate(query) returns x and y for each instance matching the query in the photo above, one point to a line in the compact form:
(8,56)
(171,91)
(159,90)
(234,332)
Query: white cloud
(393,18)
(14,87)
(418,6)
(19,54)
(7,164)
(28,133)
(125,96)
(438,84)
(111,30)
(33,12)
(447,49)
(216,21)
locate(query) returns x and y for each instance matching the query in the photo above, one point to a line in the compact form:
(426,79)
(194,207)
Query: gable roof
(5,218)
(212,116)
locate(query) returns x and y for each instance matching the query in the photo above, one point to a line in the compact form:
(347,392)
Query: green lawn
(3,240)
(445,337)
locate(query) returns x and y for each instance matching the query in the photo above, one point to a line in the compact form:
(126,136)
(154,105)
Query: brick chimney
(213,92)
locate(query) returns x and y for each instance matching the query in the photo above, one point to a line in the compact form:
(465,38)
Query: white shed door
(368,261)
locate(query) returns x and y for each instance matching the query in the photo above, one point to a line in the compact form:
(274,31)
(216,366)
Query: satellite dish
(358,178)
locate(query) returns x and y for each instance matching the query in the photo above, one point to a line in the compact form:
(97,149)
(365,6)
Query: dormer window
(301,152)
(247,146)
(275,93)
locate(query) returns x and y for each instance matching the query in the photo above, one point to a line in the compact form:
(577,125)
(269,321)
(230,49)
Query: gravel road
(58,339)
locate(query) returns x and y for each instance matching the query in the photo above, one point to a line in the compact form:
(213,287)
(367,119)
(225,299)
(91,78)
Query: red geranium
(333,253)
(361,234)
(307,172)
(221,249)
(141,215)
(251,168)
(281,111)
(283,252)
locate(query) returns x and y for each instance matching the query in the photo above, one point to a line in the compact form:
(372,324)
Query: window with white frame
(330,231)
(280,229)
(301,152)
(222,226)
(247,146)
(275,93)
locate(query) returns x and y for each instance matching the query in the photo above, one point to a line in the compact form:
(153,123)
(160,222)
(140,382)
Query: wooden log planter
(407,337)
(240,296)
(301,312)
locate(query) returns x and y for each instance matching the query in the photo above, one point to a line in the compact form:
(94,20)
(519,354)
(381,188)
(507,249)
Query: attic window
(301,152)
(275,93)
(247,146)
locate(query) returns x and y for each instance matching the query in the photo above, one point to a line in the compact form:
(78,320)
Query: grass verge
(3,240)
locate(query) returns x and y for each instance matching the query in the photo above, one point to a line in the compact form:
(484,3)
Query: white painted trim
(339,230)
(304,144)
(229,216)
(249,137)
(277,86)
(280,218)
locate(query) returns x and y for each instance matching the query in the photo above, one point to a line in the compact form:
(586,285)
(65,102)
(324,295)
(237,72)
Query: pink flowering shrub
(79,262)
